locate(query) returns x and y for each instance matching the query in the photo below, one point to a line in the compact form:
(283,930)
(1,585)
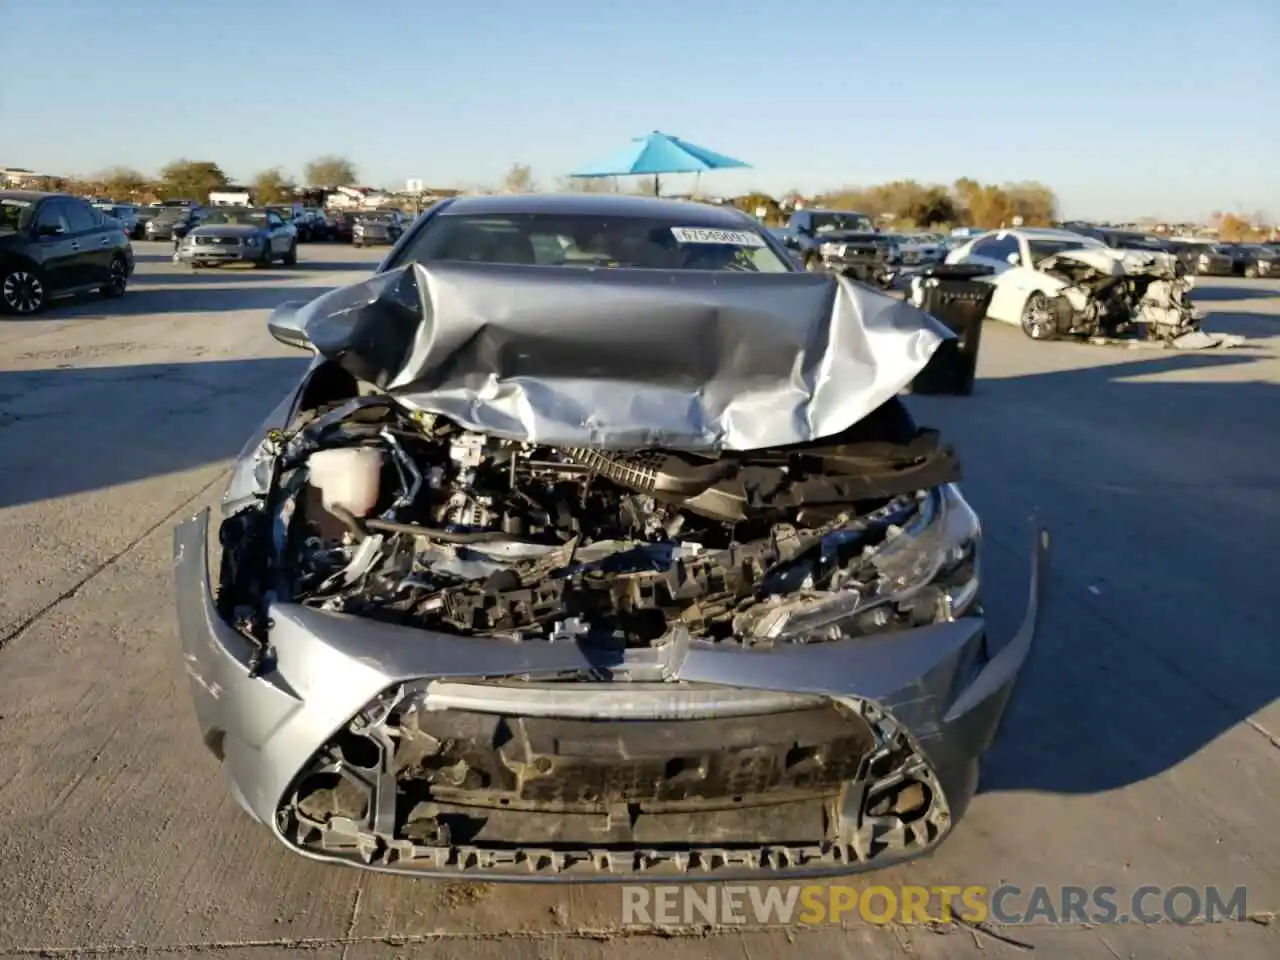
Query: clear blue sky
(1125,107)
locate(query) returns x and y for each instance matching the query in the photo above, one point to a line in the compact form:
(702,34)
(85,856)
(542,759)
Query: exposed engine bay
(408,519)
(1144,294)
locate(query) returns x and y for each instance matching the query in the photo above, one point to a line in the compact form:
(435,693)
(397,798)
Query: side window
(997,248)
(79,215)
(51,215)
(983,248)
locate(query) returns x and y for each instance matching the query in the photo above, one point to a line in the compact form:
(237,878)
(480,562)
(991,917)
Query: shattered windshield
(236,216)
(15,214)
(1041,249)
(594,240)
(829,222)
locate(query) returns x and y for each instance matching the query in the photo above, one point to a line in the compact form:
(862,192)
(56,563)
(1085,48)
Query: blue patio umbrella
(656,154)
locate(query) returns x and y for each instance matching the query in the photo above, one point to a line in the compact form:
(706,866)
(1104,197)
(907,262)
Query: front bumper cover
(945,685)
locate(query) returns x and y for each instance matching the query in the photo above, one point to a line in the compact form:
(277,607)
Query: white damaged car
(1054,283)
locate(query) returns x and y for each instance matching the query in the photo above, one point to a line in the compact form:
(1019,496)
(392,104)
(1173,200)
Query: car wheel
(1037,319)
(291,257)
(265,261)
(117,278)
(22,291)
(1251,271)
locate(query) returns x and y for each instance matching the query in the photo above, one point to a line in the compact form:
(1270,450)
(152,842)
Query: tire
(1251,271)
(1037,319)
(23,291)
(291,257)
(117,280)
(266,257)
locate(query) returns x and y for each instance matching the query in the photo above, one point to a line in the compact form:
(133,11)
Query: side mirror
(283,325)
(1013,259)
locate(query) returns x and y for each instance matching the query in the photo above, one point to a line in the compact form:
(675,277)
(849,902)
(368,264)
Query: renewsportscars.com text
(677,905)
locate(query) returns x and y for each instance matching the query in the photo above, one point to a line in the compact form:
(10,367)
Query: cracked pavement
(1143,746)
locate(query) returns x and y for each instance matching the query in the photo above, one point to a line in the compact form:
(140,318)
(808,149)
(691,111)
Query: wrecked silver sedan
(596,544)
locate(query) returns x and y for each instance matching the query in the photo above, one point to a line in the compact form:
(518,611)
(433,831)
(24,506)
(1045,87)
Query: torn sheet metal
(626,359)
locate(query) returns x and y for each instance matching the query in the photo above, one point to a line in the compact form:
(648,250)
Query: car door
(1015,281)
(91,232)
(277,234)
(993,251)
(58,250)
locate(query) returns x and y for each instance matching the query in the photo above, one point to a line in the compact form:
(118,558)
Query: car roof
(33,195)
(618,205)
(1045,233)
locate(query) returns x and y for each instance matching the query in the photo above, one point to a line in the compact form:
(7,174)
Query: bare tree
(191,179)
(273,186)
(330,171)
(519,179)
(587,185)
(123,182)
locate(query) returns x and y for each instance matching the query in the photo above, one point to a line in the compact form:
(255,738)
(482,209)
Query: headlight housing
(252,241)
(929,566)
(831,249)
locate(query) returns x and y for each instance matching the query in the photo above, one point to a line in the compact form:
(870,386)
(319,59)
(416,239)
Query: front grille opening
(483,792)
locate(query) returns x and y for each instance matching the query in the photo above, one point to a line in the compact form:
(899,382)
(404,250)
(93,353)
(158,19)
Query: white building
(17,176)
(230,197)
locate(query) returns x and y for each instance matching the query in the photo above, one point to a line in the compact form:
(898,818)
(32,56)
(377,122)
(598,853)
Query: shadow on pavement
(1212,292)
(1163,501)
(73,430)
(210,297)
(183,277)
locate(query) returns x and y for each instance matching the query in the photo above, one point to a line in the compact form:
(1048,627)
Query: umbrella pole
(656,190)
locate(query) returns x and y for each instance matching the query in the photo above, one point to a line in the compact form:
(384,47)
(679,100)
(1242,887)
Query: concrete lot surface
(1143,746)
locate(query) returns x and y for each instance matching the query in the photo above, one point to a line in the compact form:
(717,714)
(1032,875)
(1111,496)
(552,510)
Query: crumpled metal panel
(625,359)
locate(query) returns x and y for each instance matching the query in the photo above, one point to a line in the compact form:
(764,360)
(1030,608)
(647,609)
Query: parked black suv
(1257,260)
(843,241)
(52,244)
(172,223)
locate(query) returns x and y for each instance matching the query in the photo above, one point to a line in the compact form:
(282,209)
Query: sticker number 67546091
(736,238)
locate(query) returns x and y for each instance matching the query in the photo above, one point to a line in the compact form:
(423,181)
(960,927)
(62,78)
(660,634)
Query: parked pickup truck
(843,241)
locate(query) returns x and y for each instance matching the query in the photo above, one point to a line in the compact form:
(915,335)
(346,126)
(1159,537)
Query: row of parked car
(173,219)
(851,242)
(1198,256)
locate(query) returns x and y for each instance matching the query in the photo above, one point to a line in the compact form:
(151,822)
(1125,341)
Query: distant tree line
(899,204)
(187,179)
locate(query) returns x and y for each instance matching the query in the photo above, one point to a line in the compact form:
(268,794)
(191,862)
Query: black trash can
(955,298)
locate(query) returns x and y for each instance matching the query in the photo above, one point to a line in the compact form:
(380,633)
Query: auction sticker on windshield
(736,238)
(10,202)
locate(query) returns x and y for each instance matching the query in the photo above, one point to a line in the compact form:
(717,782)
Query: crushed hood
(1104,260)
(624,359)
